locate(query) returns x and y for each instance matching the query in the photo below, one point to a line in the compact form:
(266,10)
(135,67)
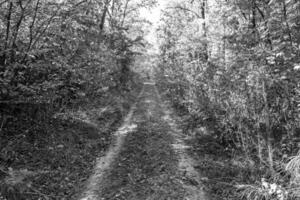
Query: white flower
(280,196)
(297,67)
(264,183)
(279,54)
(273,188)
(279,191)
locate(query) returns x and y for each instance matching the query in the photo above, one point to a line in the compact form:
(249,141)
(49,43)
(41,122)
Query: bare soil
(148,160)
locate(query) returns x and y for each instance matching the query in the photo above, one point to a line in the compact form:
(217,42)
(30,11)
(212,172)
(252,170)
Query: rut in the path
(149,165)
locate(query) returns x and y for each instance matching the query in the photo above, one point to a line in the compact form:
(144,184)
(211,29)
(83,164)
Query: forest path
(148,160)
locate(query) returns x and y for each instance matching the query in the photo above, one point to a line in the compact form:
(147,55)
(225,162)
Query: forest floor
(53,158)
(85,156)
(148,160)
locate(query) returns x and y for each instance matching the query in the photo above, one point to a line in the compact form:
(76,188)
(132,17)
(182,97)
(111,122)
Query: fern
(293,167)
(253,192)
(264,191)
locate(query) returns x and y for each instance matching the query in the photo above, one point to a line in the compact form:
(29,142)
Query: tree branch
(3,2)
(186,9)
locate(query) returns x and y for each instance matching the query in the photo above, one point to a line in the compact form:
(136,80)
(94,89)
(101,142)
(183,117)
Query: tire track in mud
(103,163)
(148,161)
(191,178)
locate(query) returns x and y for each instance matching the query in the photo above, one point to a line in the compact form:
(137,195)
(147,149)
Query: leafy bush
(237,65)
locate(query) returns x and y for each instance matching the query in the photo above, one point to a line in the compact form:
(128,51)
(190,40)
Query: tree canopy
(237,63)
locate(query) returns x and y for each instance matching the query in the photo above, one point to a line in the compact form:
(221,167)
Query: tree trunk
(16,33)
(124,12)
(268,129)
(3,58)
(203,15)
(286,22)
(224,45)
(253,19)
(103,17)
(32,25)
(259,146)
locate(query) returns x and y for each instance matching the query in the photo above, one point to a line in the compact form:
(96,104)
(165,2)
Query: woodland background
(232,67)
(65,77)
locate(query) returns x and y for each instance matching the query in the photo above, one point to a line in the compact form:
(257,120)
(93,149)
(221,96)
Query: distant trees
(50,49)
(63,64)
(249,81)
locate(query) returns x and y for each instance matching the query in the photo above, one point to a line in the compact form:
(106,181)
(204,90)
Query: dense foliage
(235,65)
(57,50)
(65,83)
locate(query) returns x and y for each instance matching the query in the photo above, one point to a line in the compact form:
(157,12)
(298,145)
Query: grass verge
(52,159)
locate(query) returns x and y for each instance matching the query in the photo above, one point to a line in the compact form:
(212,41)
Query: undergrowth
(51,158)
(227,172)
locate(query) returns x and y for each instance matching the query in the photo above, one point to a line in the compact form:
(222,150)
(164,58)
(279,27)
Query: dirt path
(148,160)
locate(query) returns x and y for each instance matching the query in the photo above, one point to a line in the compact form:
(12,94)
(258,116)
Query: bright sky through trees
(153,16)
